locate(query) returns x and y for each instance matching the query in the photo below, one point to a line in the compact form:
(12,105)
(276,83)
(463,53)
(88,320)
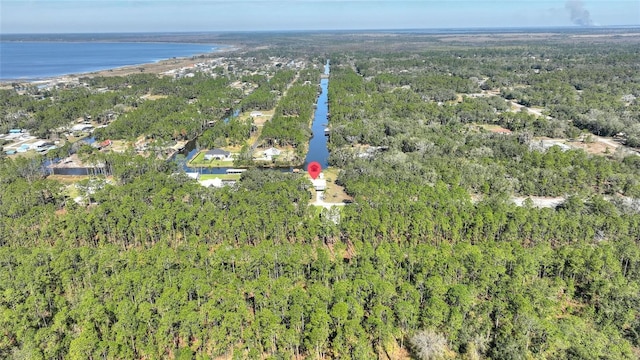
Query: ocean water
(31,60)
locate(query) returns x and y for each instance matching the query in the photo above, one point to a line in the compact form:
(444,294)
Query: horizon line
(474,28)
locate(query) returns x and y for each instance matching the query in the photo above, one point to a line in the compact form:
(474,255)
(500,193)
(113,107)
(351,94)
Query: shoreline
(154,67)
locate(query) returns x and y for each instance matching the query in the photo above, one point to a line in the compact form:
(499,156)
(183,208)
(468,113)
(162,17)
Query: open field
(68,179)
(594,147)
(334,193)
(153,97)
(493,128)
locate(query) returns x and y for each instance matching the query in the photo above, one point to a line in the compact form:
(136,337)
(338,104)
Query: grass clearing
(72,191)
(491,128)
(334,193)
(68,179)
(220,176)
(120,145)
(594,147)
(153,97)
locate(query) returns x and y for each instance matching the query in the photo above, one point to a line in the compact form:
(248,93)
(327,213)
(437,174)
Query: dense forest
(433,259)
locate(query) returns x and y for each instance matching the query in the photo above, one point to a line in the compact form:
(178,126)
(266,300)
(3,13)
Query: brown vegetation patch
(596,147)
(334,193)
(119,145)
(153,97)
(497,129)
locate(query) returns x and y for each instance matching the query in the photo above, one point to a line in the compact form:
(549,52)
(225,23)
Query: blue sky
(64,16)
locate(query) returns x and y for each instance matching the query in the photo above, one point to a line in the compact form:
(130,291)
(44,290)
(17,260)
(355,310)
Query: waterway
(318,145)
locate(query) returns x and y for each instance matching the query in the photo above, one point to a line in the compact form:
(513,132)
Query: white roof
(272,151)
(37,144)
(193,175)
(319,184)
(217,182)
(81,127)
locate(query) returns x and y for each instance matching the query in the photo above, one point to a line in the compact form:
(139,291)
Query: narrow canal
(318,145)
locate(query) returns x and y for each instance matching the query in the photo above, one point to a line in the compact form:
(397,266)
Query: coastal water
(31,60)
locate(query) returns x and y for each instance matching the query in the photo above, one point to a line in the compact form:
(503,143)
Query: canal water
(318,145)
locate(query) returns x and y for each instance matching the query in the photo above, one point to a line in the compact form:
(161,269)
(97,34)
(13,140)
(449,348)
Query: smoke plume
(579,15)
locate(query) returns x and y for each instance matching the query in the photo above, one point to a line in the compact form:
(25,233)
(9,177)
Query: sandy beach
(159,66)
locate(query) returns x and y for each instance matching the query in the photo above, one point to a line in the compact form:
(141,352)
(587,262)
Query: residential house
(105,143)
(81,127)
(193,175)
(217,154)
(271,152)
(319,184)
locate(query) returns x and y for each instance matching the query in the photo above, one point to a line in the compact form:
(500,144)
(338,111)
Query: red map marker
(314,169)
